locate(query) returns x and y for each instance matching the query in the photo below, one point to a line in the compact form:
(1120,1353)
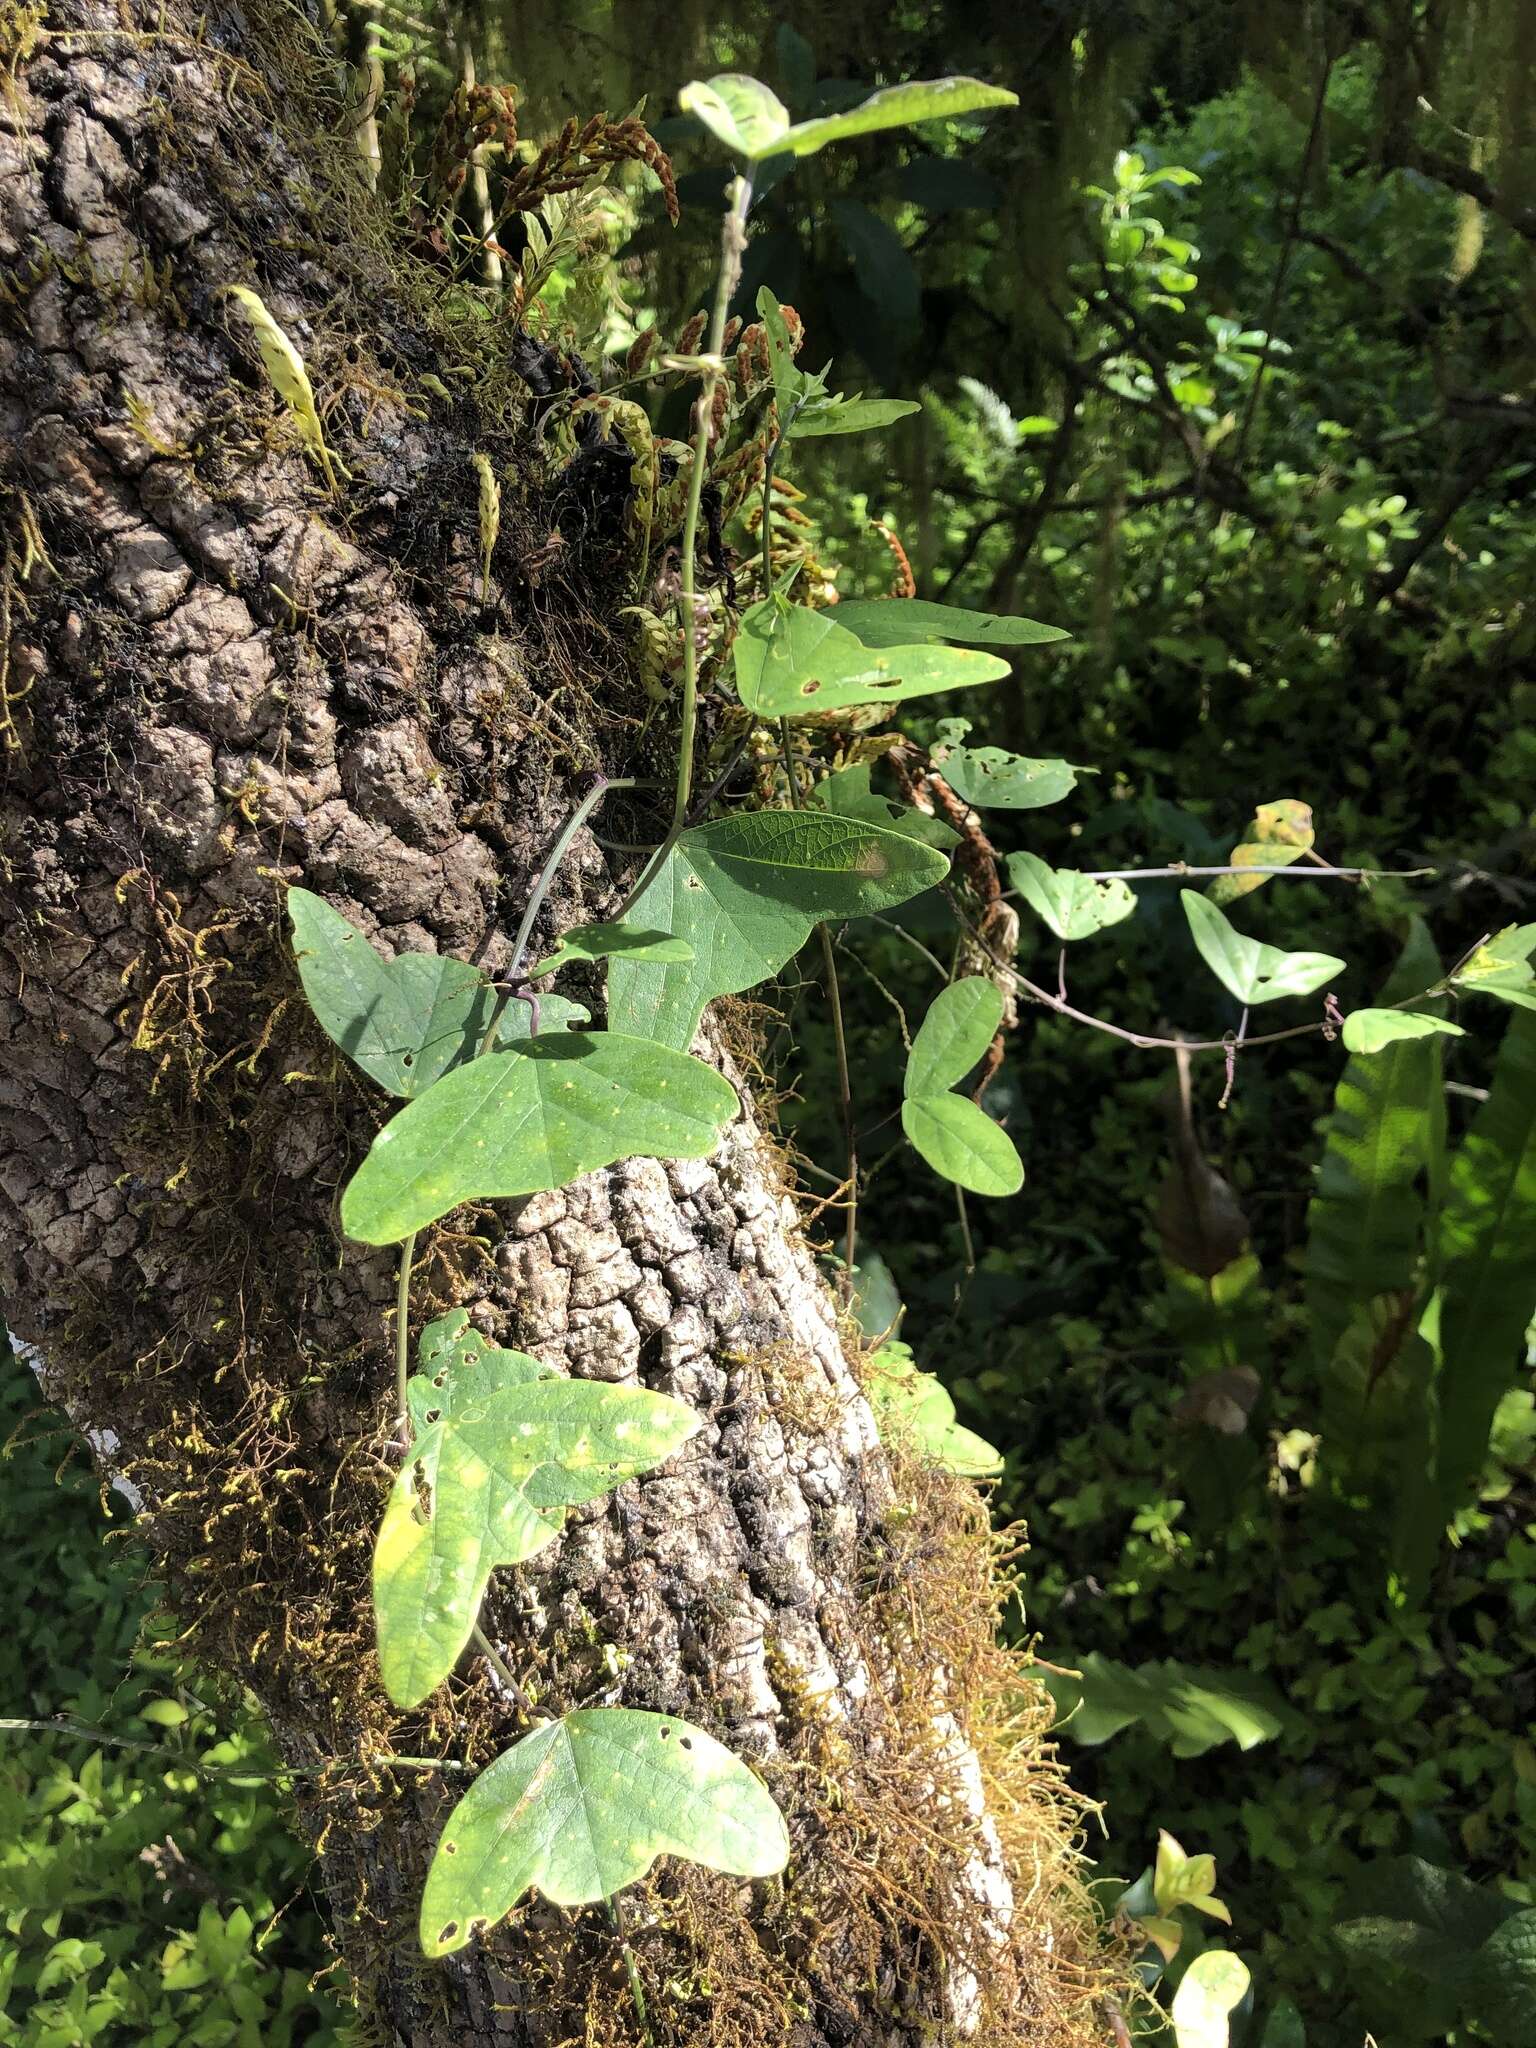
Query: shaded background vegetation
(1261,437)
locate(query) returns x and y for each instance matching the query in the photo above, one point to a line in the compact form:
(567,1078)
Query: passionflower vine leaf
(405,1021)
(1252,971)
(499,1459)
(745,892)
(1074,906)
(515,1122)
(584,1806)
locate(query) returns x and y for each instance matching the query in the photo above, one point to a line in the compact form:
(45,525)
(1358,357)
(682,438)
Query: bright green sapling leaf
(917,1406)
(836,415)
(898,106)
(1371,1030)
(846,792)
(993,779)
(957,1137)
(583,1807)
(745,116)
(1210,1990)
(897,621)
(602,941)
(792,662)
(515,1122)
(1073,905)
(745,892)
(504,1449)
(405,1021)
(1252,971)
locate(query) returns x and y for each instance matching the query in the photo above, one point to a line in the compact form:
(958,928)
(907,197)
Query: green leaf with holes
(897,106)
(898,621)
(405,1021)
(514,1122)
(602,941)
(1073,905)
(956,1137)
(745,892)
(915,1407)
(994,779)
(504,1450)
(1252,971)
(792,662)
(583,1807)
(740,112)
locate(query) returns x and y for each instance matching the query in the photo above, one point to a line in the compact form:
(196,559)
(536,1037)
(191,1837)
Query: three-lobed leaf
(1252,971)
(745,892)
(405,1021)
(515,1122)
(1501,967)
(991,778)
(505,1449)
(583,1807)
(1074,906)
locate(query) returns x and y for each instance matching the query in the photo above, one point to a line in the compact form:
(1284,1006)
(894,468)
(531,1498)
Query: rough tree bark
(221,678)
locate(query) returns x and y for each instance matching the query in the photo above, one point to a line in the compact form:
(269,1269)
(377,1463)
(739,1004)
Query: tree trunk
(223,677)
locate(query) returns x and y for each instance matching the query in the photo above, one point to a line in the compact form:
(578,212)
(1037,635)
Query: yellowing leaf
(290,380)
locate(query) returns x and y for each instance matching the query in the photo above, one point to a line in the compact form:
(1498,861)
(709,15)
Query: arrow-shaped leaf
(602,941)
(1254,972)
(500,1461)
(1372,1030)
(404,1021)
(745,893)
(514,1122)
(1074,906)
(583,1807)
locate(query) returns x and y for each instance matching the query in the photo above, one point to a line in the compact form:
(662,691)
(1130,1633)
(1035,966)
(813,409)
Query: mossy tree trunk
(222,677)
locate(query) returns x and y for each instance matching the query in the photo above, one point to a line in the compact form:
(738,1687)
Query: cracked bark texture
(219,680)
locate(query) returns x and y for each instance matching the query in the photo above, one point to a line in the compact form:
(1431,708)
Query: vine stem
(403,1337)
(631,1968)
(541,887)
(1318,872)
(733,243)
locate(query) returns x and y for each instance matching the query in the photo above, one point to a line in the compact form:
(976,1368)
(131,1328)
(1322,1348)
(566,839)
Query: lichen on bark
(221,678)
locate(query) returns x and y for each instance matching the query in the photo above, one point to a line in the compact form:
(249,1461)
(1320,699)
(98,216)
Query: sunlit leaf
(1073,905)
(740,112)
(895,621)
(404,1021)
(1187,1710)
(503,1452)
(1213,1985)
(285,367)
(792,662)
(1281,833)
(514,1122)
(1182,1880)
(834,415)
(1252,971)
(961,1023)
(918,1408)
(1370,1030)
(991,778)
(1502,967)
(961,1142)
(898,106)
(745,892)
(583,1807)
